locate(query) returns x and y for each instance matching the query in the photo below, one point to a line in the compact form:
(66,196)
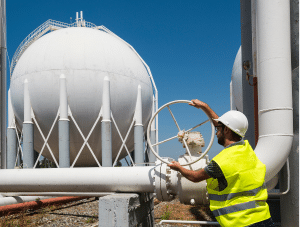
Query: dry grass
(27,218)
(174,210)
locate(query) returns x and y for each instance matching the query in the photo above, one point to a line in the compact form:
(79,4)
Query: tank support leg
(106,125)
(152,157)
(63,125)
(28,142)
(11,148)
(138,131)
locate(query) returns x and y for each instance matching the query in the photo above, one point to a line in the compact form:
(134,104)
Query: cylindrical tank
(85,56)
(236,79)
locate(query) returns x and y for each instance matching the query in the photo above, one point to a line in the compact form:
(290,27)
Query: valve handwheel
(187,148)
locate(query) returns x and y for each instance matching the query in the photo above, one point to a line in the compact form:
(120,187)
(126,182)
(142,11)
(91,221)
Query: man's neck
(228,142)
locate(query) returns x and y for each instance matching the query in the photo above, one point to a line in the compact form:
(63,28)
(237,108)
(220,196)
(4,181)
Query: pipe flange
(163,181)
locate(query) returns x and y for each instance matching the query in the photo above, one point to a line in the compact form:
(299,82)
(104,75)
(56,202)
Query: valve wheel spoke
(187,148)
(174,118)
(198,125)
(174,137)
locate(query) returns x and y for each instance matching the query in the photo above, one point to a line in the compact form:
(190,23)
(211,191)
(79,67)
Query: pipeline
(34,205)
(275,84)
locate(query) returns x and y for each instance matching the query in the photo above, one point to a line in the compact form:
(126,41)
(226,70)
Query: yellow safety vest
(243,201)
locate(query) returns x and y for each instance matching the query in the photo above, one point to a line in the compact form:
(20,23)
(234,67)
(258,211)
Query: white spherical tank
(85,56)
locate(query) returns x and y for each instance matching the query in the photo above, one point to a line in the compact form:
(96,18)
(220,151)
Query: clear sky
(190,46)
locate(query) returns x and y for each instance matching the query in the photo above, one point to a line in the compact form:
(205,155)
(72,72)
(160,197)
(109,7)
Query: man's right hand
(197,103)
(205,107)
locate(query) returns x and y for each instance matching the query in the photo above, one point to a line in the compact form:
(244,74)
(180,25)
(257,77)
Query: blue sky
(190,46)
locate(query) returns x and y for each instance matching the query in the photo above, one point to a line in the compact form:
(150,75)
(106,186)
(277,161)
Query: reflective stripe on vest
(230,196)
(235,208)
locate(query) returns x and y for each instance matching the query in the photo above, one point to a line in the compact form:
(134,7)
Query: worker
(235,177)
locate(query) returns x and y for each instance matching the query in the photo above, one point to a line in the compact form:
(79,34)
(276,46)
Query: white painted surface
(274,84)
(236,79)
(108,179)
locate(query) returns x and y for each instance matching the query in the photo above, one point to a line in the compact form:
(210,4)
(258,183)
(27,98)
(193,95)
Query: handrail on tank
(37,33)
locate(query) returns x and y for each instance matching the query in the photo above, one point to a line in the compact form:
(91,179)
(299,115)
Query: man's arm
(194,176)
(206,108)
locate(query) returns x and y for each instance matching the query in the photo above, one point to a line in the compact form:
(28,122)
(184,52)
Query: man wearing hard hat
(235,177)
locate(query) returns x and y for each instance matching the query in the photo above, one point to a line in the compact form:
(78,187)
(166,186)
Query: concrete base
(125,210)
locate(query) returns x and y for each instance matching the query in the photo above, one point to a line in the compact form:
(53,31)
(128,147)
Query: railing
(49,25)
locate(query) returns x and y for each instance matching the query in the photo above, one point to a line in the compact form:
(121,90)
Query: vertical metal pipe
(28,141)
(11,137)
(138,131)
(152,157)
(63,126)
(255,91)
(254,60)
(3,77)
(246,39)
(106,125)
(289,203)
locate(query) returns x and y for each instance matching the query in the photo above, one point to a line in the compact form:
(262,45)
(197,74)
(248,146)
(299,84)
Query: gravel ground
(85,213)
(79,213)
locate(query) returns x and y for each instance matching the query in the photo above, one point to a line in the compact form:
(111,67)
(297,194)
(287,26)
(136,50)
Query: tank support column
(63,126)
(28,142)
(11,148)
(11,138)
(152,157)
(138,131)
(106,125)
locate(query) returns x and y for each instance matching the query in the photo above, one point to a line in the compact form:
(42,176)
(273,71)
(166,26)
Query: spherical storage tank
(85,56)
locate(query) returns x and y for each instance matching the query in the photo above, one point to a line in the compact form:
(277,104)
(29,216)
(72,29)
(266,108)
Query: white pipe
(288,182)
(190,222)
(20,199)
(108,179)
(274,84)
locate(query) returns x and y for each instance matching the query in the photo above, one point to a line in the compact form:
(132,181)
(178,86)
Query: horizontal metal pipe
(34,205)
(190,222)
(20,199)
(56,194)
(104,179)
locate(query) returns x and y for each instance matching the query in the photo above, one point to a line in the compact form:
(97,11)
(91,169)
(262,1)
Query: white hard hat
(236,121)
